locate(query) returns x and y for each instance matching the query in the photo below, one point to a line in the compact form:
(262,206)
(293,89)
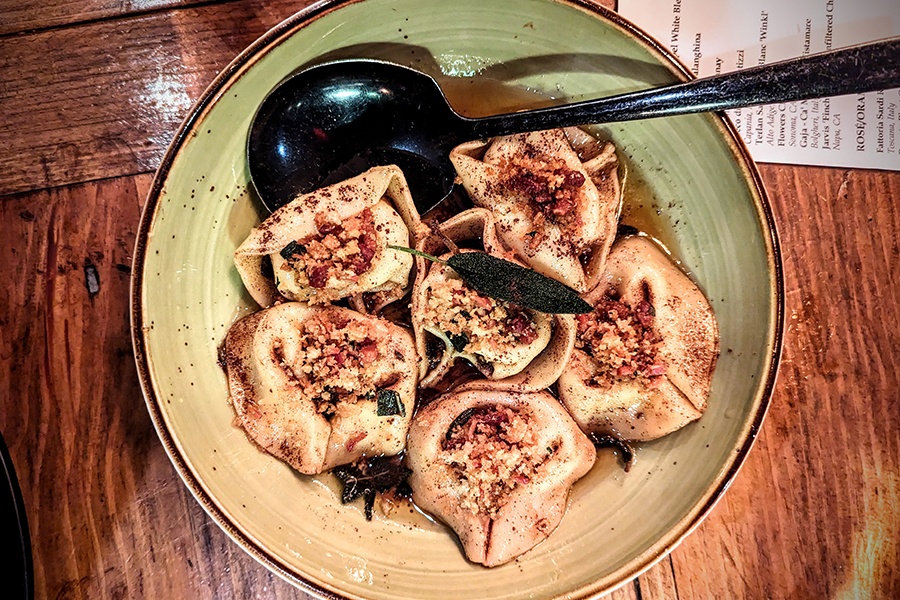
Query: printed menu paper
(715,36)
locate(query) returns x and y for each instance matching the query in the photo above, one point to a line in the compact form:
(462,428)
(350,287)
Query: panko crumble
(334,365)
(622,341)
(475,323)
(492,451)
(338,254)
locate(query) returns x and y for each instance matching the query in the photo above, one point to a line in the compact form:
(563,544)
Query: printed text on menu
(715,36)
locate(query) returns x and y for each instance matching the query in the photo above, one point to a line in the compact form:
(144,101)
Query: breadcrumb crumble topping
(551,188)
(476,323)
(622,341)
(492,450)
(333,365)
(337,254)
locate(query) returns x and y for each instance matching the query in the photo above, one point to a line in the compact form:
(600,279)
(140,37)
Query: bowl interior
(187,293)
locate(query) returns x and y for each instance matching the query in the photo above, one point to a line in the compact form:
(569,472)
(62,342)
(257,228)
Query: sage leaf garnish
(504,280)
(460,420)
(291,249)
(367,477)
(508,281)
(459,340)
(418,253)
(610,441)
(390,404)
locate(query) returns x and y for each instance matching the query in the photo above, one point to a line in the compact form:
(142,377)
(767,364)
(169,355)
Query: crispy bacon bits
(549,184)
(475,323)
(340,252)
(623,342)
(335,364)
(492,451)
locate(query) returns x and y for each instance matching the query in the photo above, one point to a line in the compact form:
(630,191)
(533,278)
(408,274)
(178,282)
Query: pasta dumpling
(332,244)
(643,359)
(320,387)
(496,466)
(505,342)
(557,212)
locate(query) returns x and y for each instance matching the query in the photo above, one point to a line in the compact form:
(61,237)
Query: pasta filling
(335,256)
(551,189)
(475,324)
(492,450)
(335,361)
(622,341)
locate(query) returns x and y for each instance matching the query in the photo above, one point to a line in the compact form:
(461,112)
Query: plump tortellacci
(556,211)
(516,347)
(643,360)
(332,244)
(320,386)
(496,466)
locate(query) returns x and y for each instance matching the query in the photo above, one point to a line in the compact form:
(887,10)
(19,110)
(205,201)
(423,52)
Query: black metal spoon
(337,119)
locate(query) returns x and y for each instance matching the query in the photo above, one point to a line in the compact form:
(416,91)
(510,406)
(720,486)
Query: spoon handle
(851,70)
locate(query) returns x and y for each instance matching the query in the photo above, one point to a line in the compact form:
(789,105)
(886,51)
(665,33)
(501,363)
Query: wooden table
(90,94)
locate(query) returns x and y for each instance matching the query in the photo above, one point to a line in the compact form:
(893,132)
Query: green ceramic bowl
(690,181)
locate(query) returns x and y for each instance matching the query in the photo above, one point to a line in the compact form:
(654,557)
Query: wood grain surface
(814,513)
(18,16)
(104,98)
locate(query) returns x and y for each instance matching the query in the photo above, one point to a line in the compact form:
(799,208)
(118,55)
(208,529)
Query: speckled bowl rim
(657,551)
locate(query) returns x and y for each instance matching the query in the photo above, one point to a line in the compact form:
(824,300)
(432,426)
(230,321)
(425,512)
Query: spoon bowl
(337,119)
(334,120)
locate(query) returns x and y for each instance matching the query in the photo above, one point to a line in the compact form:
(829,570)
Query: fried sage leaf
(366,478)
(291,249)
(460,420)
(626,452)
(459,340)
(505,280)
(389,404)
